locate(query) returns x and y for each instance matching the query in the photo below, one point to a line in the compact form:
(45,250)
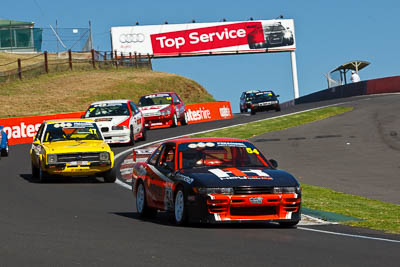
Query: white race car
(120,121)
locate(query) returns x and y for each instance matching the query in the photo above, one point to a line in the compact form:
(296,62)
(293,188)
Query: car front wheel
(185,119)
(180,214)
(174,121)
(288,224)
(141,202)
(110,176)
(132,137)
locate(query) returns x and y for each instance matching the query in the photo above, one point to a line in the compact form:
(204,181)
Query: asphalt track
(84,222)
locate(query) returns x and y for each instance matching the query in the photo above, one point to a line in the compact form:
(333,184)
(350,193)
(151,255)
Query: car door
(37,146)
(162,184)
(179,106)
(136,118)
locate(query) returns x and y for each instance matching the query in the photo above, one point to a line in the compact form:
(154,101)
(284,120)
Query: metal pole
(294,74)
(70,58)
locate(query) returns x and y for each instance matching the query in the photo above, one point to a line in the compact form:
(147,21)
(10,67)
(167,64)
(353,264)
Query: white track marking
(349,235)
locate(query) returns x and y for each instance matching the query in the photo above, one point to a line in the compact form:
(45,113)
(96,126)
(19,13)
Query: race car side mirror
(274,163)
(134,155)
(277,95)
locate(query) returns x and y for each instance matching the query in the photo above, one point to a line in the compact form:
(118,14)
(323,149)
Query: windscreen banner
(173,40)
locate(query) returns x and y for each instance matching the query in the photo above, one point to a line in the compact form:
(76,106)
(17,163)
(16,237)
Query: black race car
(215,180)
(264,101)
(245,99)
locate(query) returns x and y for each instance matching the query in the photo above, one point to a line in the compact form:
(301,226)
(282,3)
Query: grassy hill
(73,91)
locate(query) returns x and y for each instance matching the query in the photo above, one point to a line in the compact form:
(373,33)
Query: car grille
(249,190)
(70,157)
(253,211)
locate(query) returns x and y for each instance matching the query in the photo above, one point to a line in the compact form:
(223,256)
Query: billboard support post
(294,74)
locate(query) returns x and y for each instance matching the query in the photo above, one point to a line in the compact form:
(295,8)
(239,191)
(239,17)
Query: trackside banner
(22,129)
(170,40)
(209,111)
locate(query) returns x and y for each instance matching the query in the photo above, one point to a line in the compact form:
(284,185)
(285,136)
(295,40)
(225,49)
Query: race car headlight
(51,158)
(287,190)
(104,156)
(119,128)
(165,112)
(212,190)
(287,35)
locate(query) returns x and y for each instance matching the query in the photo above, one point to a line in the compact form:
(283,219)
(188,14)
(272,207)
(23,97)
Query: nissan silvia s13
(215,180)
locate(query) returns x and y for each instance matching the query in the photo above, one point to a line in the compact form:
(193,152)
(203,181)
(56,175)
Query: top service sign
(169,40)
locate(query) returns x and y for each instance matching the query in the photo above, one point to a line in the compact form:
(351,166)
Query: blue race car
(3,143)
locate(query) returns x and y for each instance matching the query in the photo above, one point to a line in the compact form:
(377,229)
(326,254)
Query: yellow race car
(71,147)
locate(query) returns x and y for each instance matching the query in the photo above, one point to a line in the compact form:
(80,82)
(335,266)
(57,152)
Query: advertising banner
(22,129)
(170,40)
(209,111)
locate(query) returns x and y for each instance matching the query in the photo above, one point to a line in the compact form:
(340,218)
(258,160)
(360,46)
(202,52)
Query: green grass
(374,214)
(257,128)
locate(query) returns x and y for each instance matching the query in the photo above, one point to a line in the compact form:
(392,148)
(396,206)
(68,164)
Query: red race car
(215,180)
(163,109)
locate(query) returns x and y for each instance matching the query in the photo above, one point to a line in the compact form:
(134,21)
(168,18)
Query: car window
(74,130)
(133,107)
(154,156)
(222,154)
(155,99)
(175,98)
(167,159)
(107,109)
(39,133)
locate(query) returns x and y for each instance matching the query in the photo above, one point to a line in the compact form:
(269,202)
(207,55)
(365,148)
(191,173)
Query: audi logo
(131,38)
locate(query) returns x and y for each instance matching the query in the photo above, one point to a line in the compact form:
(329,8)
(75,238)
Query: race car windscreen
(104,110)
(220,153)
(265,96)
(67,131)
(156,99)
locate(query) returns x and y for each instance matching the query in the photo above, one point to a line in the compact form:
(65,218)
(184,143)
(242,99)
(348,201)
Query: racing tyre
(278,109)
(110,176)
(180,213)
(144,134)
(288,224)
(132,137)
(42,175)
(241,110)
(185,119)
(35,172)
(141,202)
(253,112)
(174,121)
(4,151)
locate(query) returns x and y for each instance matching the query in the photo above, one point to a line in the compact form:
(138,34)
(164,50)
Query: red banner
(201,39)
(209,111)
(22,129)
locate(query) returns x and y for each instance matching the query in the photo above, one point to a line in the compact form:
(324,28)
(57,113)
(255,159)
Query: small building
(19,36)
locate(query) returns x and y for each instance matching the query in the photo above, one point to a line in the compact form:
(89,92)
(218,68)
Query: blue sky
(328,33)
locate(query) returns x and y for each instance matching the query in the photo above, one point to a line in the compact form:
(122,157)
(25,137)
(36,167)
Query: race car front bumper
(158,120)
(117,136)
(230,208)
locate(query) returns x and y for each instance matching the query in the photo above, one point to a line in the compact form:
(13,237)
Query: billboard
(170,40)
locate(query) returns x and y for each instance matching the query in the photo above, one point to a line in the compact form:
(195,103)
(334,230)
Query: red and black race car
(215,180)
